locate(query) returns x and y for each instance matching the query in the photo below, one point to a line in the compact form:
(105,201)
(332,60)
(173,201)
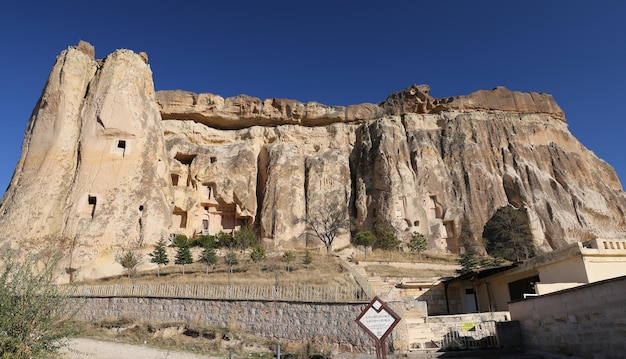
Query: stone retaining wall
(327,323)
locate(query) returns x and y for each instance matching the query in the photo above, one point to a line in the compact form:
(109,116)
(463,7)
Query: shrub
(130,260)
(34,311)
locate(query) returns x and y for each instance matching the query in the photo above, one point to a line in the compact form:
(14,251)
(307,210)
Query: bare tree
(327,222)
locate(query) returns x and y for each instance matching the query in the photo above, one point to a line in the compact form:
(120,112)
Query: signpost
(378,320)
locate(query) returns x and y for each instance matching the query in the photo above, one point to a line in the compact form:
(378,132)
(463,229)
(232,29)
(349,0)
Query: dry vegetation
(385,270)
(196,339)
(405,257)
(324,270)
(408,265)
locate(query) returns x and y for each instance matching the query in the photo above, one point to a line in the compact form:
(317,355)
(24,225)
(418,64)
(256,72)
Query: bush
(34,311)
(130,259)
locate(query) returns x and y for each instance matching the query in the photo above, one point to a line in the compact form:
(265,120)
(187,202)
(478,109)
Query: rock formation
(107,163)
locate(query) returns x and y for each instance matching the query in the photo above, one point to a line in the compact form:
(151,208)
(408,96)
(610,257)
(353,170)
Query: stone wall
(587,321)
(327,323)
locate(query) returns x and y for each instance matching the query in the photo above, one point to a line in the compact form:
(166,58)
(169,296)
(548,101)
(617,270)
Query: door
(470,301)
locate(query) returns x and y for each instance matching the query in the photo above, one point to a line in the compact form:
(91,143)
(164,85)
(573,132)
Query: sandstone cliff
(108,163)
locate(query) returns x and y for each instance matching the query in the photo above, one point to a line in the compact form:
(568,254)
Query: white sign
(377,322)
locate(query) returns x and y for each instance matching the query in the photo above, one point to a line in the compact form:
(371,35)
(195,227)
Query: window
(91,201)
(520,287)
(121,146)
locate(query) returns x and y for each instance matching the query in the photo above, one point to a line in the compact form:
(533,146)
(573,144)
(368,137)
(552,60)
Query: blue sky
(335,52)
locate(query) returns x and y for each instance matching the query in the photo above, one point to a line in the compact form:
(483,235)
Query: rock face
(93,173)
(109,164)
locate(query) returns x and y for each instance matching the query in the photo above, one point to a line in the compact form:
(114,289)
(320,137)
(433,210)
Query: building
(581,263)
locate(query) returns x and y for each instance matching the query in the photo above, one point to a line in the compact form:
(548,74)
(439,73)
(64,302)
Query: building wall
(601,268)
(604,258)
(435,297)
(566,270)
(587,321)
(493,291)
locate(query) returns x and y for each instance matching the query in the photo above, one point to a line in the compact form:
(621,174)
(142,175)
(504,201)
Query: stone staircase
(380,287)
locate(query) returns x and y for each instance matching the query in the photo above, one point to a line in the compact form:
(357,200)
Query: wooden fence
(294,293)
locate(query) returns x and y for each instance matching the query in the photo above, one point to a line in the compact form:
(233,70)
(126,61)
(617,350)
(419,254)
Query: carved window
(91,201)
(121,147)
(174,179)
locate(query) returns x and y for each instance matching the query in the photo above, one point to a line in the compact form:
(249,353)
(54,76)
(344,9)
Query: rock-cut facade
(108,163)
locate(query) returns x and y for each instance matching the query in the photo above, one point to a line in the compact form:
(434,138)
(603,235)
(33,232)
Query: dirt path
(81,348)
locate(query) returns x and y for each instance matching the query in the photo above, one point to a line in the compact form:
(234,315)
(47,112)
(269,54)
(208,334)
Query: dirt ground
(81,348)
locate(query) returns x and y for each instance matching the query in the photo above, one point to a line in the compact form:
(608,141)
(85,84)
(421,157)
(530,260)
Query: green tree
(208,257)
(244,238)
(35,312)
(226,240)
(159,255)
(288,258)
(308,258)
(365,239)
(387,239)
(183,256)
(205,240)
(418,243)
(468,262)
(507,234)
(490,262)
(230,259)
(130,259)
(180,240)
(258,255)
